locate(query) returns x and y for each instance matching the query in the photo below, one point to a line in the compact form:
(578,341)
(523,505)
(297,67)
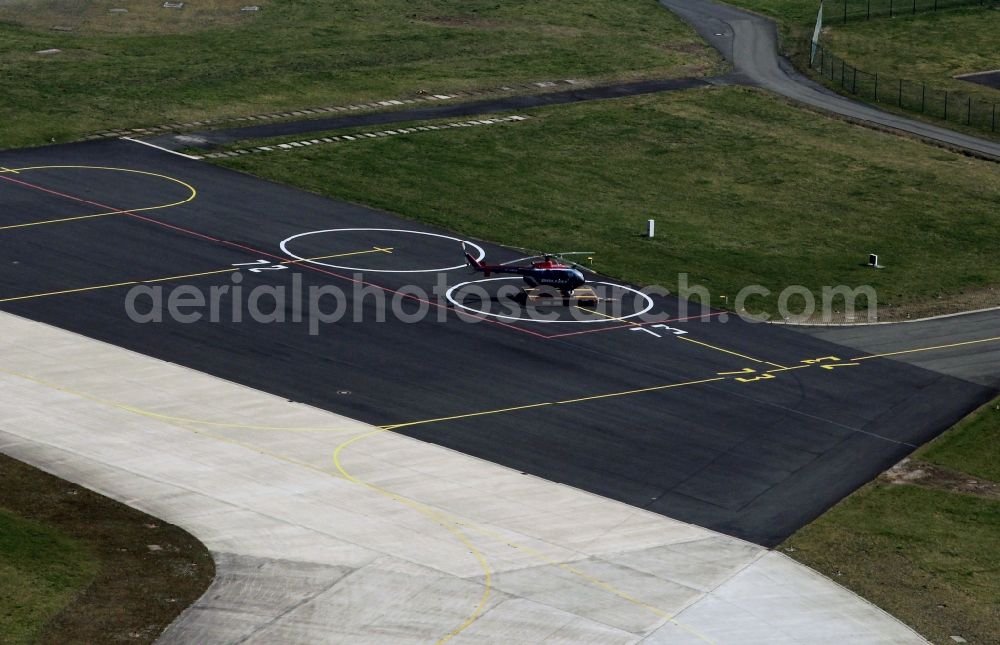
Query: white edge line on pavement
(173,152)
(358,136)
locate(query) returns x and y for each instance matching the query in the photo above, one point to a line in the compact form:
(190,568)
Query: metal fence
(844,10)
(916,96)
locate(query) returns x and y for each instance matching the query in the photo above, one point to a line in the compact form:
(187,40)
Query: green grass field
(745,190)
(926,555)
(928,47)
(42,570)
(76,567)
(973,447)
(141,69)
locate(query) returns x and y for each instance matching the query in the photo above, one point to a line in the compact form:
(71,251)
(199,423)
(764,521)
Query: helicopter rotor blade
(571,262)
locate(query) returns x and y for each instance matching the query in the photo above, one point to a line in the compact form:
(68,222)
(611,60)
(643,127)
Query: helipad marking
(448,296)
(192,194)
(284,247)
(262,253)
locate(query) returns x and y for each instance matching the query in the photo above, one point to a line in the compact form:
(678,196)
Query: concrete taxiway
(325,529)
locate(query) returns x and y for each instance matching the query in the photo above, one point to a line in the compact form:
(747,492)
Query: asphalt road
(208,139)
(708,426)
(750,43)
(966,359)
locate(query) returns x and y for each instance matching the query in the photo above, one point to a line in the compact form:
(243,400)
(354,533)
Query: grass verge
(973,447)
(78,567)
(745,190)
(919,544)
(315,52)
(42,570)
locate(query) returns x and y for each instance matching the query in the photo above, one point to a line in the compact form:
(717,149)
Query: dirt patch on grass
(920,540)
(149,571)
(146,17)
(927,475)
(943,304)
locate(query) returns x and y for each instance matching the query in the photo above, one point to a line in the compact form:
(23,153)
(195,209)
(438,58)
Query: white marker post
(650,228)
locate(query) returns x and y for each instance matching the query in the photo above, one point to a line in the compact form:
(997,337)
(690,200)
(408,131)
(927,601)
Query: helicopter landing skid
(583,296)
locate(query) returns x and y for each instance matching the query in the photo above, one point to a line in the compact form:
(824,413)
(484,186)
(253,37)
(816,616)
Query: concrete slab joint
(398,541)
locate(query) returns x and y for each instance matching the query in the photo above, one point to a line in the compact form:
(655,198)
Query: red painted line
(265,253)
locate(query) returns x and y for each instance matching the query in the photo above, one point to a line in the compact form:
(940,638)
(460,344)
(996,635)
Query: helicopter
(549,272)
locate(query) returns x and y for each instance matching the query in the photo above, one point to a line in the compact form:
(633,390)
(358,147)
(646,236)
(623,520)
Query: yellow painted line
(435,516)
(189,187)
(547,403)
(5,169)
(466,416)
(785,369)
(690,340)
(82,217)
(428,511)
(930,349)
(639,391)
(603,315)
(374,249)
(726,351)
(65,291)
(452,524)
(188,275)
(744,371)
(533,552)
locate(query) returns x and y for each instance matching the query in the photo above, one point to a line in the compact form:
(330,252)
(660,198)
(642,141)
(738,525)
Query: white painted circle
(449,298)
(284,247)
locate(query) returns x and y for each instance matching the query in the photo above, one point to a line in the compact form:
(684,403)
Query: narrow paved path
(750,43)
(211,138)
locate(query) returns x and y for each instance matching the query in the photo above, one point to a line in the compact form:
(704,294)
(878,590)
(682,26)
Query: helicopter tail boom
(478,265)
